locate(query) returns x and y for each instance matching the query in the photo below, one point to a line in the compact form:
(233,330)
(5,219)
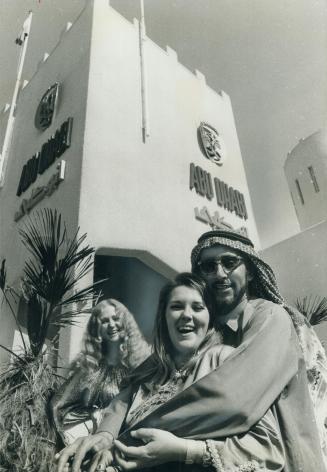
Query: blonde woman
(112,347)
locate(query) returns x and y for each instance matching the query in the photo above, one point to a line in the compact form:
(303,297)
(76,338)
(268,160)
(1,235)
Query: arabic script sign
(216,221)
(39,193)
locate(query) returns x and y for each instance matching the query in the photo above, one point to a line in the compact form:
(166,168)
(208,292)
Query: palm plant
(57,266)
(314,308)
(50,281)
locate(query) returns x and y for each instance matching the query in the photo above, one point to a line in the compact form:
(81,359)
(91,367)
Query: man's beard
(223,306)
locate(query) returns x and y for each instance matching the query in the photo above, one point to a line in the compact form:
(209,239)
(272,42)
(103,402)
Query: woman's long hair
(133,347)
(158,367)
(100,381)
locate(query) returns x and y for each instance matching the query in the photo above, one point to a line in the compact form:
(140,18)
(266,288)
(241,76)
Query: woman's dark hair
(162,363)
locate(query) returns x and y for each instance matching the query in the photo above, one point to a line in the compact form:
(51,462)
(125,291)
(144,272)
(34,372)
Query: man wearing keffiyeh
(246,298)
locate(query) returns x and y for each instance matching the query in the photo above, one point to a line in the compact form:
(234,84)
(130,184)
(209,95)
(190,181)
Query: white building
(136,177)
(306,173)
(300,261)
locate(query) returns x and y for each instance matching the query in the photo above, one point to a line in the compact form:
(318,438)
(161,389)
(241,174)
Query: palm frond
(12,353)
(43,237)
(83,295)
(314,308)
(57,266)
(58,263)
(37,322)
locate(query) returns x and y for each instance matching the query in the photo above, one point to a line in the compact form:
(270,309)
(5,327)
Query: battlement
(88,10)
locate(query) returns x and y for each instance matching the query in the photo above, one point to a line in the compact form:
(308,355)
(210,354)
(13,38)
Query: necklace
(162,394)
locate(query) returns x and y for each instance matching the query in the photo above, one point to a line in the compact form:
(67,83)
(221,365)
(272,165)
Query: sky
(269,56)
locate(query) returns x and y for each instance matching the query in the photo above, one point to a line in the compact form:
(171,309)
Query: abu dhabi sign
(226,196)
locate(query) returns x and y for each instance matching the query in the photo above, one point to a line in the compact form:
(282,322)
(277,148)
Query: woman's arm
(114,415)
(103,439)
(67,397)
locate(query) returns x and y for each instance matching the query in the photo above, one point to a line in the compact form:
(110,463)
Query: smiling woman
(187,320)
(113,346)
(110,323)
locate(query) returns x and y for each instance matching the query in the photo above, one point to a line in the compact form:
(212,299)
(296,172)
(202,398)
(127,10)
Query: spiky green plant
(56,267)
(314,308)
(51,277)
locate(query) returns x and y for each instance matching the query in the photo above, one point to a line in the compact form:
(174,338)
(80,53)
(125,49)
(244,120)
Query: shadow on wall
(134,284)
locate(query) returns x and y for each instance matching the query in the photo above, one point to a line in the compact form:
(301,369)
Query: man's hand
(159,447)
(76,452)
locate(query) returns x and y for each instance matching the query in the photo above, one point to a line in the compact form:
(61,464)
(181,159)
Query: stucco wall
(141,190)
(300,266)
(311,151)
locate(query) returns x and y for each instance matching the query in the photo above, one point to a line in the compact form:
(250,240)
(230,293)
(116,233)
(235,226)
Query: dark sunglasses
(228,264)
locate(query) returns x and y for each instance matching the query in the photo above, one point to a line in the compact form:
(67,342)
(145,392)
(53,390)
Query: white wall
(300,266)
(311,151)
(141,190)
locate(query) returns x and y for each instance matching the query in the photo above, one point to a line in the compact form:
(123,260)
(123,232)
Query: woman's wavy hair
(133,347)
(157,369)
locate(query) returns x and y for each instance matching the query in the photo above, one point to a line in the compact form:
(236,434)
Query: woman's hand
(74,454)
(101,459)
(159,447)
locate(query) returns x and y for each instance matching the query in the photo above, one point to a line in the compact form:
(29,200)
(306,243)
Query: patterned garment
(260,449)
(145,402)
(80,401)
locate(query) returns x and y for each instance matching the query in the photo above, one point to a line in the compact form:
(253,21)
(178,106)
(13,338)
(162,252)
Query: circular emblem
(47,107)
(212,143)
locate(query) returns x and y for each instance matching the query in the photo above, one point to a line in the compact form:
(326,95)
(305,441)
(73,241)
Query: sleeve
(114,415)
(67,397)
(260,448)
(232,398)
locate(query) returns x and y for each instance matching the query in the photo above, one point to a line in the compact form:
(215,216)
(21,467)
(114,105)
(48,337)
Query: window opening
(313,179)
(299,191)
